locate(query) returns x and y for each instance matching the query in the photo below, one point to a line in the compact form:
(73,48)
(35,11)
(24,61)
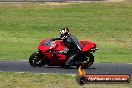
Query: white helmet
(64,33)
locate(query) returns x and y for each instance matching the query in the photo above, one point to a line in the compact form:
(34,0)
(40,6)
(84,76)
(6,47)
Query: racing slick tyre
(36,60)
(87,62)
(90,59)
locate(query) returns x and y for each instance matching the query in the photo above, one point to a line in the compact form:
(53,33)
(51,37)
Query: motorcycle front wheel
(36,60)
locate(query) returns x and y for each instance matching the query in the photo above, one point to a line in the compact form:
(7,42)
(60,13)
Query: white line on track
(45,73)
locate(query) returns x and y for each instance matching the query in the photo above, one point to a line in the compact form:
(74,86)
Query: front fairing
(47,47)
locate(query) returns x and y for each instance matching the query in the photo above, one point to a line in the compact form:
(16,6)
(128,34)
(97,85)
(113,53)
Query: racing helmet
(64,33)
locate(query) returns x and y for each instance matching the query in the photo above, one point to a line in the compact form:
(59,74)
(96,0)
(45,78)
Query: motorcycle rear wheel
(36,60)
(89,59)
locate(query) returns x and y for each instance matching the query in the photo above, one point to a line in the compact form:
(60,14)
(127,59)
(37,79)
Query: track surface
(96,68)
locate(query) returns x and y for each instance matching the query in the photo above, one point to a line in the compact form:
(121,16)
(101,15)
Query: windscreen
(48,42)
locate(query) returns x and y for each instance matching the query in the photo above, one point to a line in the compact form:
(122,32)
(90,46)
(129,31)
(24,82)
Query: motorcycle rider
(72,44)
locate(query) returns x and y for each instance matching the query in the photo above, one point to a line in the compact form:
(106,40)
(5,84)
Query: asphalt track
(96,68)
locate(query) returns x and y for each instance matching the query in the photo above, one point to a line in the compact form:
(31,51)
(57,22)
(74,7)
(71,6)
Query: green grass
(35,80)
(22,26)
(109,25)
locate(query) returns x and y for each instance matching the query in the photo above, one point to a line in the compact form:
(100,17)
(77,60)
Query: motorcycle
(47,54)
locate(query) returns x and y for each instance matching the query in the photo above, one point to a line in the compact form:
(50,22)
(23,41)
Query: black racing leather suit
(74,48)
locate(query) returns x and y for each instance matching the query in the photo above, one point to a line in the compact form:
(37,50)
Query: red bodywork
(59,59)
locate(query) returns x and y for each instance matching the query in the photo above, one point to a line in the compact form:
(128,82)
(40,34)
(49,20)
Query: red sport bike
(47,54)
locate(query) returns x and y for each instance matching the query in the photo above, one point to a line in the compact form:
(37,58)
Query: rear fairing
(87,45)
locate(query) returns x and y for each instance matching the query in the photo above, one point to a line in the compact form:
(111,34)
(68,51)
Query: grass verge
(35,80)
